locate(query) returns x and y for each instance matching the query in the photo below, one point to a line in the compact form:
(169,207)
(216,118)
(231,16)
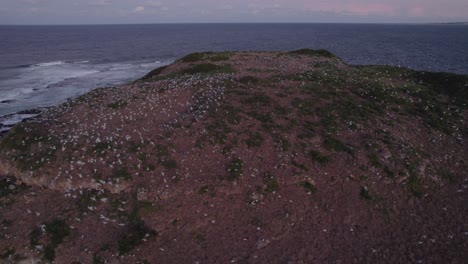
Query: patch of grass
(101,147)
(8,253)
(201,239)
(118,104)
(162,151)
(374,160)
(265,118)
(254,140)
(452,85)
(149,166)
(154,73)
(389,172)
(232,115)
(209,190)
(221,56)
(34,237)
(249,80)
(414,182)
(319,157)
(311,188)
(299,165)
(122,173)
(97,260)
(447,175)
(193,57)
(305,107)
(284,143)
(168,163)
(365,194)
(206,68)
(31,146)
(235,169)
(271,184)
(311,52)
(135,231)
(57,230)
(134,147)
(258,99)
(218,131)
(211,56)
(21,138)
(336,145)
(8,186)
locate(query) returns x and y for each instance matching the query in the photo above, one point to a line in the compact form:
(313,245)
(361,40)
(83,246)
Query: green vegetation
(452,85)
(211,56)
(271,184)
(200,238)
(414,182)
(254,140)
(21,138)
(445,174)
(154,73)
(336,145)
(249,80)
(209,190)
(299,165)
(25,141)
(319,157)
(365,194)
(97,260)
(168,163)
(207,68)
(311,52)
(122,173)
(235,169)
(164,157)
(374,160)
(8,186)
(56,230)
(118,104)
(258,99)
(101,147)
(311,188)
(135,231)
(7,253)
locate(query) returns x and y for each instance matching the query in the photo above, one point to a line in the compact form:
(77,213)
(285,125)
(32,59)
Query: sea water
(42,66)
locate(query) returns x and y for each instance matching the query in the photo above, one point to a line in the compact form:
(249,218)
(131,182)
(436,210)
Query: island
(244,157)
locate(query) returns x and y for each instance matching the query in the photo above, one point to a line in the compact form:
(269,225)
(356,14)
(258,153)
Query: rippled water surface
(44,65)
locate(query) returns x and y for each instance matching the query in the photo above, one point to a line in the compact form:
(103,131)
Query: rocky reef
(244,157)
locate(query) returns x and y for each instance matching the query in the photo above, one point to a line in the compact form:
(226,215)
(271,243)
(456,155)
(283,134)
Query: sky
(36,12)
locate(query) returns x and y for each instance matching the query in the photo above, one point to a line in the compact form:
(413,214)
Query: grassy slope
(381,132)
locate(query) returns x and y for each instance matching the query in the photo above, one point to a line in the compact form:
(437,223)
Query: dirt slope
(246,157)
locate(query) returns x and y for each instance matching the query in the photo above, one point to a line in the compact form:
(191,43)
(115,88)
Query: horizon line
(185,23)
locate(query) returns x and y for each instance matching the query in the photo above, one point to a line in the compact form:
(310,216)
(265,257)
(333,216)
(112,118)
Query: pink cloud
(353,7)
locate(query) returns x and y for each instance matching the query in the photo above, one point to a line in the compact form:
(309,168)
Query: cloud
(148,11)
(100,3)
(139,9)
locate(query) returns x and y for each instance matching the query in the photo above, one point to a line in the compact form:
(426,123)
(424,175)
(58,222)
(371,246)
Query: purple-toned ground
(246,157)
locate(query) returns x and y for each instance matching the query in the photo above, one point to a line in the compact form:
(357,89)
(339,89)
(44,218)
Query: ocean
(42,66)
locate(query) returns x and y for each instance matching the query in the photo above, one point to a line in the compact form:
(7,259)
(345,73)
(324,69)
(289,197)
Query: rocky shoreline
(251,157)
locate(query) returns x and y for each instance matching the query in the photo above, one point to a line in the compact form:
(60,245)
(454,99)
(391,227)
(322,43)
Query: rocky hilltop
(244,157)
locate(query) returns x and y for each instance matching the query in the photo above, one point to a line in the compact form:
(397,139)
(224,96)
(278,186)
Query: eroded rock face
(272,151)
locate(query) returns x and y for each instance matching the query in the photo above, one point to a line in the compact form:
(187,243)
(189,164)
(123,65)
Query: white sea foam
(81,62)
(6,122)
(52,83)
(48,64)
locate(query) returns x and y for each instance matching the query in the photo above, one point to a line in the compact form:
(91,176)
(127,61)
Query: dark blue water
(44,65)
